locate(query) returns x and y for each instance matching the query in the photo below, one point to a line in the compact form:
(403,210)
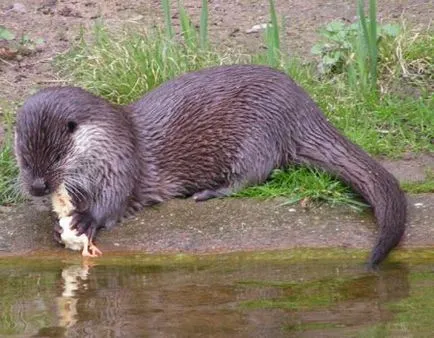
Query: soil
(57,22)
(183,225)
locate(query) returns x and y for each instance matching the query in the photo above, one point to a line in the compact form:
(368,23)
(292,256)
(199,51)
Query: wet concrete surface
(224,225)
(411,167)
(230,224)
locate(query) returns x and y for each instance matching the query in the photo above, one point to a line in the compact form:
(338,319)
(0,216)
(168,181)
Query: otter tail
(322,145)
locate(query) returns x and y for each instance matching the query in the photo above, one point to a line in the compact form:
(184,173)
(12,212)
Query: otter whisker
(76,188)
(76,194)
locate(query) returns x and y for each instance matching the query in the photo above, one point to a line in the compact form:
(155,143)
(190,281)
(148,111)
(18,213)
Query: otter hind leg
(207,194)
(244,178)
(242,174)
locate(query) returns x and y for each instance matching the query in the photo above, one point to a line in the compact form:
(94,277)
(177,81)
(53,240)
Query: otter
(205,134)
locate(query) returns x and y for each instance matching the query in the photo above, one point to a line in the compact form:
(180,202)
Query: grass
(304,184)
(390,116)
(426,186)
(122,67)
(9,194)
(408,57)
(423,186)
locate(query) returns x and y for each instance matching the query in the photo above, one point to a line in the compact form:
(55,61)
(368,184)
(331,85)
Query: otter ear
(72,126)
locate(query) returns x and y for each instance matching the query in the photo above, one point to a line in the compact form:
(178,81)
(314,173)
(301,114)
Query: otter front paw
(84,223)
(91,250)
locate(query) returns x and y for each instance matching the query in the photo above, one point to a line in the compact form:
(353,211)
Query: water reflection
(74,277)
(207,298)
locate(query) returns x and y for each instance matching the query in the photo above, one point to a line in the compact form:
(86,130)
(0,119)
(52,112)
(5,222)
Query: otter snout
(39,187)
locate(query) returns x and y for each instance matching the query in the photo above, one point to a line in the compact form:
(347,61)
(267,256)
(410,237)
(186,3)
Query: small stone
(136,18)
(69,12)
(49,3)
(257,28)
(292,210)
(234,32)
(418,205)
(17,7)
(7,53)
(47,11)
(47,7)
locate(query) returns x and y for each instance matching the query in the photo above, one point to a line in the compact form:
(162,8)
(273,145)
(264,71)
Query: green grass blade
(275,39)
(204,25)
(362,19)
(272,38)
(369,36)
(187,28)
(363,46)
(167,19)
(373,41)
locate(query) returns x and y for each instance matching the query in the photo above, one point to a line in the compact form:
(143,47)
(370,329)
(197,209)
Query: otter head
(44,136)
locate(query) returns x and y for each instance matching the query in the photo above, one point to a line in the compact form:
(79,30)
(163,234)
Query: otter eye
(72,126)
(57,159)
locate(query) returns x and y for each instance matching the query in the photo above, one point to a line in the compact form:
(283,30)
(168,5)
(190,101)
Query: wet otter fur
(204,134)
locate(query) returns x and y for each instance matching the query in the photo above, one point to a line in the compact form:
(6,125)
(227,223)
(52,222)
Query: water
(236,295)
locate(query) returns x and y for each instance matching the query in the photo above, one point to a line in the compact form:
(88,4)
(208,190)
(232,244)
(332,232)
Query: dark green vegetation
(313,292)
(374,82)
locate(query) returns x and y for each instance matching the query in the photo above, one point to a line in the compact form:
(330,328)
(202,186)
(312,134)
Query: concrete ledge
(224,225)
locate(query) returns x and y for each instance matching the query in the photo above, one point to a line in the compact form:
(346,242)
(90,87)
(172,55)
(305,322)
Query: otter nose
(39,187)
